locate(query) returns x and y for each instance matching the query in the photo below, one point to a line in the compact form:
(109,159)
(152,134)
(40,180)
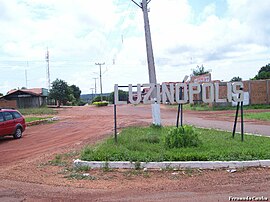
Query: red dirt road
(23,176)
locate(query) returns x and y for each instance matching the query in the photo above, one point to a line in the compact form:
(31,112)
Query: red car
(11,123)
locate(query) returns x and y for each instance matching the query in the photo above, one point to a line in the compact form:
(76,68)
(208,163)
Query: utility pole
(26,75)
(26,78)
(150,60)
(100,80)
(48,69)
(92,93)
(95,86)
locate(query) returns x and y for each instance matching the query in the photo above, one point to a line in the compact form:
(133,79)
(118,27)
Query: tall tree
(236,79)
(200,70)
(264,73)
(75,90)
(1,94)
(60,91)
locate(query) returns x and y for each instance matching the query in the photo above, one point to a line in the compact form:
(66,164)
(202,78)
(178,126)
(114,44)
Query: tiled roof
(36,91)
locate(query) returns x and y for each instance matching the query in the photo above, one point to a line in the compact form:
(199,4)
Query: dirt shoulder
(27,174)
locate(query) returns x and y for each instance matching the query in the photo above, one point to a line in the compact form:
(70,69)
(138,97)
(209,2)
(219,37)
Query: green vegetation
(80,176)
(30,119)
(264,73)
(100,104)
(122,96)
(148,144)
(206,107)
(263,116)
(184,136)
(65,94)
(200,70)
(236,78)
(58,161)
(98,98)
(68,170)
(37,111)
(60,91)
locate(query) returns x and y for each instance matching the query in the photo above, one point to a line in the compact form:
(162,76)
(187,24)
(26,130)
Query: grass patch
(205,107)
(30,119)
(58,161)
(140,144)
(79,176)
(263,116)
(37,111)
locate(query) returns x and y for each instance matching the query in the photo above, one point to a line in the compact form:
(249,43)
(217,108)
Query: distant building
(26,98)
(204,78)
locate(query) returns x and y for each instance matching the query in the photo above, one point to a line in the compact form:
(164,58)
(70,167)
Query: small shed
(27,98)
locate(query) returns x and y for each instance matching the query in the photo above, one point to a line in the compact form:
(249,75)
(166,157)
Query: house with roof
(27,98)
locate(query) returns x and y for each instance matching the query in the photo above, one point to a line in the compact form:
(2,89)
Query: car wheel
(18,133)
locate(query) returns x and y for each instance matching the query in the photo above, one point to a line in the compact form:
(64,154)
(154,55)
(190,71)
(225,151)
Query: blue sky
(229,37)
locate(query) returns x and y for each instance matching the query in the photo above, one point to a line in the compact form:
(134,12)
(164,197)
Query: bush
(100,104)
(182,137)
(98,98)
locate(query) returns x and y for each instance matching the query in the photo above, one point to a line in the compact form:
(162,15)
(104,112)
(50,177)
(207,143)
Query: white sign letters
(171,93)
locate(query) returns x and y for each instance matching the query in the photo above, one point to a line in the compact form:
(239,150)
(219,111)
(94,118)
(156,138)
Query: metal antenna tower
(26,80)
(47,58)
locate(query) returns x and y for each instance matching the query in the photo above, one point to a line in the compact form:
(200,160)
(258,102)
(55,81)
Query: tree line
(66,94)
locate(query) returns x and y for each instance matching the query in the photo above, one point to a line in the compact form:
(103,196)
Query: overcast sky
(229,37)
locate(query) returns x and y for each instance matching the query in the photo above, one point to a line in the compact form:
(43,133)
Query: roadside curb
(173,164)
(33,123)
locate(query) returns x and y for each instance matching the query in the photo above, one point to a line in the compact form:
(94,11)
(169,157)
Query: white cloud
(81,33)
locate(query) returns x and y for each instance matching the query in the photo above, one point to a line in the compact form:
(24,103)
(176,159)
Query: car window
(8,116)
(1,117)
(16,115)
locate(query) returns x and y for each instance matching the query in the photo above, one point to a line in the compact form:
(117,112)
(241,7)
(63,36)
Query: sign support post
(180,106)
(242,119)
(115,123)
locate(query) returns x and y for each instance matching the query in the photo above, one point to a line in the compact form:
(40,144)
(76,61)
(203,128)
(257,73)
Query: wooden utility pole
(150,60)
(92,93)
(100,80)
(149,49)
